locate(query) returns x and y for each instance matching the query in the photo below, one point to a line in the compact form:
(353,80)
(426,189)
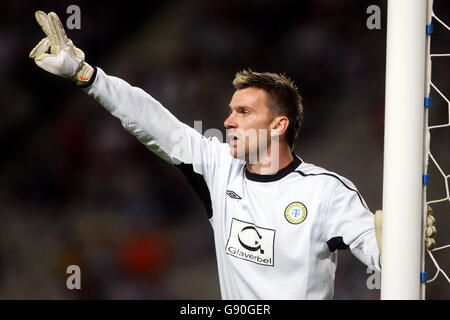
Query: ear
(279,126)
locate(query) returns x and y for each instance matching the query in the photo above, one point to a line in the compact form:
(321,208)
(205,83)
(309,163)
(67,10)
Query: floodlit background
(75,188)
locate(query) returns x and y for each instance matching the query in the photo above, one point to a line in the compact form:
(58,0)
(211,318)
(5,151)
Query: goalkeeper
(277,220)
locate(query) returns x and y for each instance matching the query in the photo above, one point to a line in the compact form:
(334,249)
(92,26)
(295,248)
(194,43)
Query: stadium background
(75,188)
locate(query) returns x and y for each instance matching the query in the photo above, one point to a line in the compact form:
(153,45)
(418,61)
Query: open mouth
(233,139)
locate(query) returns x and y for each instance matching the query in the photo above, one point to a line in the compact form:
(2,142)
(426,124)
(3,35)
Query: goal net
(436,173)
(416,153)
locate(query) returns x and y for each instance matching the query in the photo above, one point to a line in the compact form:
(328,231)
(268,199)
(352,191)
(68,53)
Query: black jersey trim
(199,185)
(337,243)
(334,176)
(277,176)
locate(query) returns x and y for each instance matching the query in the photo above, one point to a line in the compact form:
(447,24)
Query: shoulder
(324,177)
(311,170)
(329,180)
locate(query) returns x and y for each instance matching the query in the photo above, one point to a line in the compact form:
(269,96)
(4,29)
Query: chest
(263,221)
(274,203)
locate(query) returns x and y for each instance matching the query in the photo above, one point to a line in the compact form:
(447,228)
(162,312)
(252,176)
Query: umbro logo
(233,195)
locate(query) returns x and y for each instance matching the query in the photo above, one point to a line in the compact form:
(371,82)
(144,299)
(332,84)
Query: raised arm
(146,119)
(139,113)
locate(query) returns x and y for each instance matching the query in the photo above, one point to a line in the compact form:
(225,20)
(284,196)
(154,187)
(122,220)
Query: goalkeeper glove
(57,54)
(430,231)
(378,228)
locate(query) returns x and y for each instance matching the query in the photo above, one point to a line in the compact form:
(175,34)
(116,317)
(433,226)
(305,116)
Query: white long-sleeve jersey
(276,236)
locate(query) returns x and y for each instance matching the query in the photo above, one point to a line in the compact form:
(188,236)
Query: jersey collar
(277,176)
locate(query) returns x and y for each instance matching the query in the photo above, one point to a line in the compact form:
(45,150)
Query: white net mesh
(437,123)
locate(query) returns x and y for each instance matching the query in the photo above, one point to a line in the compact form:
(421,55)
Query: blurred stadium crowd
(75,188)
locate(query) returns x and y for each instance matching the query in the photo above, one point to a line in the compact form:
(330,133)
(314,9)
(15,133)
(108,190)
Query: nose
(230,121)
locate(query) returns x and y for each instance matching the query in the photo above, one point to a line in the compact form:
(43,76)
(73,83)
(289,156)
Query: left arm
(350,224)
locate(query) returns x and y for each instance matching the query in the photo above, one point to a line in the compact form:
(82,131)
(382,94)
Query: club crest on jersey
(295,213)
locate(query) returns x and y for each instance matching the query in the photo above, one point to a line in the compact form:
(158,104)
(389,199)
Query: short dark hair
(284,95)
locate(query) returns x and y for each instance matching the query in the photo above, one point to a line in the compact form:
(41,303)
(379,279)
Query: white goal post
(403,149)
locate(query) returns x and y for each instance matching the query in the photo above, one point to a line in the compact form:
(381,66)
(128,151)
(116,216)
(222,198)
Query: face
(249,124)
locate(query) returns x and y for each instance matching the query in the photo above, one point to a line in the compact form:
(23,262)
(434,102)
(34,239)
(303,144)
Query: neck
(272,162)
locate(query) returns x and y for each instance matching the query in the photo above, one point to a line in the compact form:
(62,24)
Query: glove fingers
(41,47)
(41,56)
(430,243)
(42,20)
(58,29)
(53,51)
(431,231)
(431,221)
(79,54)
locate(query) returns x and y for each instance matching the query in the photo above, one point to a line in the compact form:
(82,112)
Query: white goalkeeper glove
(430,231)
(57,54)
(378,229)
